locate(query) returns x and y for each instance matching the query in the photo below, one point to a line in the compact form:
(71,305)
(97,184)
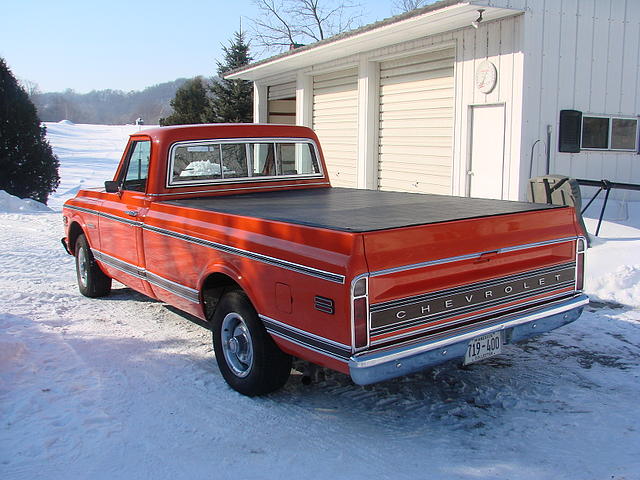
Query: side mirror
(111,186)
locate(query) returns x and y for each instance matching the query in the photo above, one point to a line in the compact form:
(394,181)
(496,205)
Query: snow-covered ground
(125,388)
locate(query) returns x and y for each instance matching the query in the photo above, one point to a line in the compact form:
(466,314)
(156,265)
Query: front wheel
(92,282)
(248,358)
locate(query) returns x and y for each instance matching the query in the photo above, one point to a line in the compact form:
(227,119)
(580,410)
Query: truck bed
(355,210)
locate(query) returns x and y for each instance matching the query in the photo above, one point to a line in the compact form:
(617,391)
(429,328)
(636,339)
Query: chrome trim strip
(328,184)
(308,340)
(170,286)
(352,299)
(105,215)
(375,358)
(314,272)
(469,256)
(581,249)
(296,267)
(246,141)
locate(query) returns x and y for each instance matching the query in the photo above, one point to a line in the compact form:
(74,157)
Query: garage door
(416,123)
(282,103)
(335,121)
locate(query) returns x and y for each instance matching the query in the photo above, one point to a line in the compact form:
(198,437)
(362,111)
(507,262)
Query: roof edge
(351,33)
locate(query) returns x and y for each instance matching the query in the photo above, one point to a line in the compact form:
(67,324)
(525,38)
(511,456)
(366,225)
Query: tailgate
(429,279)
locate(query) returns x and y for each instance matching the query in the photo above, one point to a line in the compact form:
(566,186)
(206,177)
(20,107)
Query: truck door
(120,225)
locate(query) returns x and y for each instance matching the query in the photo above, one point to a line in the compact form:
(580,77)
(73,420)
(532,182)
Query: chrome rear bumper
(395,361)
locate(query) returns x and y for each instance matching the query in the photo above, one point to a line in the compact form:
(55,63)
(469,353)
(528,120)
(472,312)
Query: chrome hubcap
(83,267)
(236,344)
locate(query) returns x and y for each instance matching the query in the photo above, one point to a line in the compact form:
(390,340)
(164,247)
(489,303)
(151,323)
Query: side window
(138,167)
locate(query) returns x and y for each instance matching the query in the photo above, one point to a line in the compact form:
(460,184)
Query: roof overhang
(444,17)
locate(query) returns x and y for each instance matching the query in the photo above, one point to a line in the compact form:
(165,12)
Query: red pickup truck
(239,226)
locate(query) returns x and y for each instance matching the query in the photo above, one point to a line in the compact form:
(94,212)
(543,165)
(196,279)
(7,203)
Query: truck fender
(218,279)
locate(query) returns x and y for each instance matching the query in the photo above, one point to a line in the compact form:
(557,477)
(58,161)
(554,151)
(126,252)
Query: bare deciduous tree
(402,6)
(282,24)
(32,88)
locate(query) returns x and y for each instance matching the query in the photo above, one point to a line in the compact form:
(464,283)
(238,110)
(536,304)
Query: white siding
(582,55)
(416,123)
(335,121)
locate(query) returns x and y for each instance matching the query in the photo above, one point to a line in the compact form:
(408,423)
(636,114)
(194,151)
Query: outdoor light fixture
(477,21)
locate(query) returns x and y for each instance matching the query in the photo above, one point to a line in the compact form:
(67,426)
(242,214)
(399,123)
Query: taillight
(580,251)
(360,313)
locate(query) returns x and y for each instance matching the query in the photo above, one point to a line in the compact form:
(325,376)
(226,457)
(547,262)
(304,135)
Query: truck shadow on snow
(592,356)
(548,374)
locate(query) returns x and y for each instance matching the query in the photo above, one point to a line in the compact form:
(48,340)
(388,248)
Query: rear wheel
(248,358)
(92,282)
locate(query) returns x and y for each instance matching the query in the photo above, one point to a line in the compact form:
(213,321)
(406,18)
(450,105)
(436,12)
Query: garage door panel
(417,102)
(441,112)
(335,121)
(419,86)
(420,59)
(437,126)
(414,186)
(422,154)
(416,119)
(421,95)
(410,76)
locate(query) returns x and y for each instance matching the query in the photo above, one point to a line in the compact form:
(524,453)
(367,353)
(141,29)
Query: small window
(595,132)
(219,161)
(138,167)
(624,133)
(609,133)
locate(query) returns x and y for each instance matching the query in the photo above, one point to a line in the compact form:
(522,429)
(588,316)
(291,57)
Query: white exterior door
(486,163)
(416,123)
(335,121)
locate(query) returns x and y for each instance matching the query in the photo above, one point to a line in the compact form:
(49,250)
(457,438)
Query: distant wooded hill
(108,107)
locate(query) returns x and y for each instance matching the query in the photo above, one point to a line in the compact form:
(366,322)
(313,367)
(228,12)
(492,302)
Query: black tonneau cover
(354,210)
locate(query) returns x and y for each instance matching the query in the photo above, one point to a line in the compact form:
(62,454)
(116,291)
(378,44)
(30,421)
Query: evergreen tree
(232,100)
(189,104)
(28,167)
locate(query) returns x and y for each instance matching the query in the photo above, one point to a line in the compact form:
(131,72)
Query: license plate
(483,347)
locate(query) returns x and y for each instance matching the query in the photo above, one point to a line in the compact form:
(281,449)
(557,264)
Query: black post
(604,205)
(591,201)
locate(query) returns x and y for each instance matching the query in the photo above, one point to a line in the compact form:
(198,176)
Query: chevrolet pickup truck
(240,226)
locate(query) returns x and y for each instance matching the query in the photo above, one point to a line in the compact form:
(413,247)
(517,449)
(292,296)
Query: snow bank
(12,204)
(612,270)
(621,286)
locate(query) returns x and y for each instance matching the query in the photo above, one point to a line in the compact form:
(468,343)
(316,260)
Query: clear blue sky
(124,45)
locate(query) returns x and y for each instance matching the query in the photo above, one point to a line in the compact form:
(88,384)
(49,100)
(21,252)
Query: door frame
(468,161)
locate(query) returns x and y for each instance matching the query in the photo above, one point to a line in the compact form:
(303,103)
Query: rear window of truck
(218,161)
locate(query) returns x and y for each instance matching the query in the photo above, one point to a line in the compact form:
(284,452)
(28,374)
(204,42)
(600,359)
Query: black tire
(92,282)
(248,358)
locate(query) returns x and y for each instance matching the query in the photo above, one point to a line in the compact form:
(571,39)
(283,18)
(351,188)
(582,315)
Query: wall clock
(486,77)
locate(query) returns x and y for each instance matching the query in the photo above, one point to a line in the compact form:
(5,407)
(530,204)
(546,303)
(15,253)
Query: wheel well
(75,230)
(216,285)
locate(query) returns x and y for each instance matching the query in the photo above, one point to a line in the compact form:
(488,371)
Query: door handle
(131,213)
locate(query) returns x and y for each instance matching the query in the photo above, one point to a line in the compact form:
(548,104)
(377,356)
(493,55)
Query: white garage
(434,101)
